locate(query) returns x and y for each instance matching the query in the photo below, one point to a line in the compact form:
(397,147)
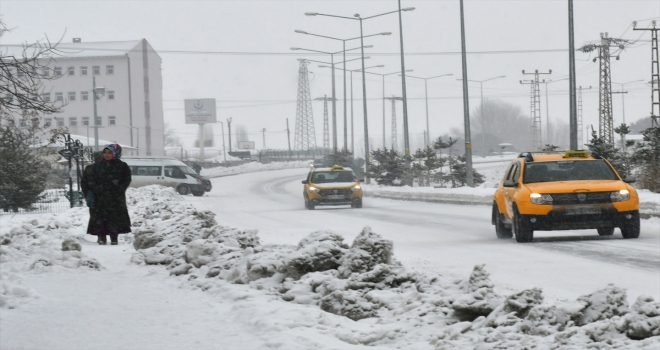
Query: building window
(58,71)
(96,70)
(83,70)
(46,72)
(58,97)
(73,122)
(23,123)
(72,71)
(46,122)
(111,95)
(60,122)
(112,121)
(46,97)
(98,121)
(109,70)
(84,96)
(85,121)
(72,96)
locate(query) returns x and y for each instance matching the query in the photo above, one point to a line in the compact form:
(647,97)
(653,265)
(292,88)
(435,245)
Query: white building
(130,112)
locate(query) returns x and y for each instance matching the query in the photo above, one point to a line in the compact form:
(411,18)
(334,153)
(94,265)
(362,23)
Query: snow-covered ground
(246,266)
(253,167)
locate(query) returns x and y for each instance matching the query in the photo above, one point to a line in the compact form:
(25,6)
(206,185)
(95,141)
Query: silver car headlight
(538,198)
(620,196)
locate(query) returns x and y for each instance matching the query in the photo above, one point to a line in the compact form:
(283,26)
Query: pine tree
(606,150)
(646,157)
(388,167)
(343,158)
(427,167)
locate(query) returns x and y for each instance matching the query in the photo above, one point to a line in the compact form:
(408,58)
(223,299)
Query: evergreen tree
(606,150)
(646,157)
(388,167)
(343,158)
(428,166)
(550,147)
(458,173)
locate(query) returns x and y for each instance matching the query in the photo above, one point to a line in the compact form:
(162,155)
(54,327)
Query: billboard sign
(245,144)
(200,111)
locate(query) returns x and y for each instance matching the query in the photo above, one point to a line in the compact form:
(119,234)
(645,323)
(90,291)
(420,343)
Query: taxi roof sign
(337,167)
(576,154)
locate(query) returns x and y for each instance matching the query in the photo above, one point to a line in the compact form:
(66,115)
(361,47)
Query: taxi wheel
(630,229)
(500,230)
(183,190)
(357,204)
(605,231)
(309,204)
(524,232)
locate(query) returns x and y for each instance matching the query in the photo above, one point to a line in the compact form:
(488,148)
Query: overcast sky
(238,52)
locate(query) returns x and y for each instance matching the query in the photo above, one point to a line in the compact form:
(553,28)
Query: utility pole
(229,132)
(469,177)
(605,121)
(655,73)
(263,134)
(394,141)
(288,136)
(326,126)
(580,137)
(573,119)
(535,108)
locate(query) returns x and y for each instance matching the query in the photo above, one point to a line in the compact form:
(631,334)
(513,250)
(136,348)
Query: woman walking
(107,181)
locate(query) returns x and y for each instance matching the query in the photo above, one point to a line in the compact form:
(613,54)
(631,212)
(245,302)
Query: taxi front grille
(581,198)
(344,192)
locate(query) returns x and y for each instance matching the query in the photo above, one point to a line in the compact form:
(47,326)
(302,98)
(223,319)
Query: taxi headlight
(356,188)
(620,196)
(313,189)
(538,198)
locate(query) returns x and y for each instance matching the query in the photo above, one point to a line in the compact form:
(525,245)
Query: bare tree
(502,122)
(171,139)
(23,68)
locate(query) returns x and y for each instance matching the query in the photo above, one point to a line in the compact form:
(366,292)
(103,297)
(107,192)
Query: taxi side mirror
(304,182)
(509,183)
(630,179)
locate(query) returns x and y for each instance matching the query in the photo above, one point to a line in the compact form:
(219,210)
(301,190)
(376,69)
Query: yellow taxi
(570,190)
(332,186)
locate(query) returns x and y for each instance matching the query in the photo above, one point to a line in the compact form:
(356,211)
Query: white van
(166,171)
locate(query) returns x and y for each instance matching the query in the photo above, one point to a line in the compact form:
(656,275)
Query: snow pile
(253,167)
(370,297)
(40,245)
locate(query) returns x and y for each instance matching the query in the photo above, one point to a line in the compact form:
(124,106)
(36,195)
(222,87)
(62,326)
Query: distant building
(130,112)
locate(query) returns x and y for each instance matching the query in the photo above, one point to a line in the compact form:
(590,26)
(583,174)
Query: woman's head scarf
(115,149)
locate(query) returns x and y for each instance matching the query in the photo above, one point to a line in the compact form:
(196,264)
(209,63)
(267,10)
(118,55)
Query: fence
(52,201)
(297,154)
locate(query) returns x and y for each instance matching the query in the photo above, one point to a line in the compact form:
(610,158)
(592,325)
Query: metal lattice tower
(605,120)
(579,118)
(304,138)
(536,129)
(326,125)
(655,73)
(395,143)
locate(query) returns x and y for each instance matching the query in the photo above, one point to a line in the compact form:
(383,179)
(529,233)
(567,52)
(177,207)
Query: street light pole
(426,94)
(466,108)
(96,123)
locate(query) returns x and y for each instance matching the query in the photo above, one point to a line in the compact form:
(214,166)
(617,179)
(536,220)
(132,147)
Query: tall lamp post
(469,178)
(364,83)
(483,119)
(623,100)
(426,94)
(334,99)
(344,70)
(97,92)
(138,136)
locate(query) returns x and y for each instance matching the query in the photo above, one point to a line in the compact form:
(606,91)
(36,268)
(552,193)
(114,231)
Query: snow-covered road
(445,239)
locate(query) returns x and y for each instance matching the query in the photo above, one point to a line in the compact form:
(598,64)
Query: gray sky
(258,87)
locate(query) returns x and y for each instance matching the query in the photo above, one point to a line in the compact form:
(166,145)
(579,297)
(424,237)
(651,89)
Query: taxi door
(509,192)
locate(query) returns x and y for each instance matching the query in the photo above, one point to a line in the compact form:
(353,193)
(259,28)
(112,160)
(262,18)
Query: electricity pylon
(579,117)
(535,108)
(605,121)
(655,73)
(326,125)
(304,138)
(395,145)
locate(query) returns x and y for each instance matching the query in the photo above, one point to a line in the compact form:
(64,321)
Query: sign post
(200,111)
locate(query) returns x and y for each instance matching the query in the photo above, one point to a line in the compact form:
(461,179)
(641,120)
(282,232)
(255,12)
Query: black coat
(108,181)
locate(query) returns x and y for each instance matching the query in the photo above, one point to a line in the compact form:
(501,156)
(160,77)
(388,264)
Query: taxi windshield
(321,177)
(568,170)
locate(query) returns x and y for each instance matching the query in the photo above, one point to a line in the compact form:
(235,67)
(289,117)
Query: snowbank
(253,167)
(361,294)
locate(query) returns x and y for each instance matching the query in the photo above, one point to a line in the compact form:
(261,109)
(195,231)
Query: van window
(174,172)
(140,170)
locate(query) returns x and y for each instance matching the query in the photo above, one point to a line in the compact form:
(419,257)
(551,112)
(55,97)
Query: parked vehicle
(169,172)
